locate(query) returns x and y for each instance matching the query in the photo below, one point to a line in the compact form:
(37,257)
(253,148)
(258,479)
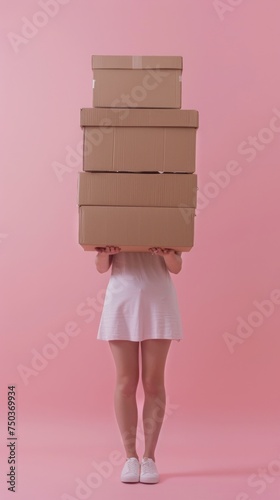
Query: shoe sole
(149,481)
(130,480)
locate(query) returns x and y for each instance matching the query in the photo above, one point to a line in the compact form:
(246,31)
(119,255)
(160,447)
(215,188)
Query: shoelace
(133,466)
(148,466)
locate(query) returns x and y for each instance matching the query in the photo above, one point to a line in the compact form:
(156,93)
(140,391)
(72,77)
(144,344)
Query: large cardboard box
(133,189)
(136,229)
(137,140)
(137,81)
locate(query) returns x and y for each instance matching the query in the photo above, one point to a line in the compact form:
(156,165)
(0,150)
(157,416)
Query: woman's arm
(104,257)
(173,259)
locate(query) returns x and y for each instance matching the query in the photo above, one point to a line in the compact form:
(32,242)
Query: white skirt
(140,301)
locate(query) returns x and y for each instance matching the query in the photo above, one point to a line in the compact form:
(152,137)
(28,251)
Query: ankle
(149,456)
(130,455)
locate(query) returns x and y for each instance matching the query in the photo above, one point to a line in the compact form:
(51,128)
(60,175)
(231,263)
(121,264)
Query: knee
(152,386)
(127,386)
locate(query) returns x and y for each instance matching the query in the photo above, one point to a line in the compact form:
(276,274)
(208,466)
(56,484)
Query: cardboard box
(133,189)
(136,229)
(137,140)
(137,81)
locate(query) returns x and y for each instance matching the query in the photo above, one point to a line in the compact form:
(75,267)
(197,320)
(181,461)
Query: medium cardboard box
(136,229)
(137,81)
(133,189)
(137,140)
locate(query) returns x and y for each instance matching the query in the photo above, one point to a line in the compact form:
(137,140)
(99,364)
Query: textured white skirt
(140,301)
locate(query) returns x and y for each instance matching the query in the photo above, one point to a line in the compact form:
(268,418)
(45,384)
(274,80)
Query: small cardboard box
(137,140)
(137,81)
(133,189)
(136,229)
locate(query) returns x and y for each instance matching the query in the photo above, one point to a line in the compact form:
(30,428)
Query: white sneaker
(149,473)
(131,471)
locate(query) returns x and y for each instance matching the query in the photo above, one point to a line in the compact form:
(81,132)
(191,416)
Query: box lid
(107,117)
(137,189)
(136,62)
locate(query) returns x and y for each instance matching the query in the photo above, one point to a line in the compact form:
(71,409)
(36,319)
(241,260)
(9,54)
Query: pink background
(225,426)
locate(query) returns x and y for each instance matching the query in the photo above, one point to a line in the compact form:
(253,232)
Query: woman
(140,308)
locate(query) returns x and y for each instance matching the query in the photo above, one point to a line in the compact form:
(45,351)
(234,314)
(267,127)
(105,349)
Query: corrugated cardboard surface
(140,149)
(143,140)
(129,89)
(103,118)
(133,189)
(137,82)
(136,228)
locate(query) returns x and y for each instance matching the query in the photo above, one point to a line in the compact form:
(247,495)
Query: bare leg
(126,357)
(154,354)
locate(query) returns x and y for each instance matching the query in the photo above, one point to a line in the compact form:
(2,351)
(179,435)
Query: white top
(140,301)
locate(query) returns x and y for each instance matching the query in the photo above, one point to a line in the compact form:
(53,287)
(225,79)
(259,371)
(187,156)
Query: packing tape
(93,84)
(137,62)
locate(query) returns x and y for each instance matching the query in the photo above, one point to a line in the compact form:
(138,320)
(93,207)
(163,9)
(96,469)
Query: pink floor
(196,462)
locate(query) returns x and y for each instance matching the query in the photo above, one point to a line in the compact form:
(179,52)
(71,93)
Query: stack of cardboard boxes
(138,188)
